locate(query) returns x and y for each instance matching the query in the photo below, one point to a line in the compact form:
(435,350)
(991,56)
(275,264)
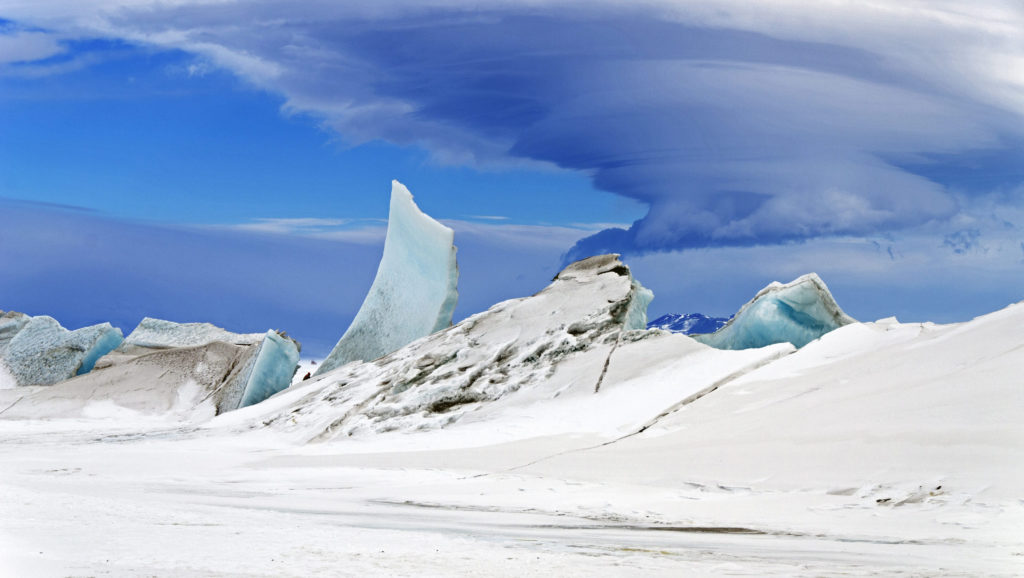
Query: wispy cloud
(360,231)
(21,46)
(486,217)
(300,226)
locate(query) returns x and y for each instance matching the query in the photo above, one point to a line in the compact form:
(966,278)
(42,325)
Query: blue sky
(155,156)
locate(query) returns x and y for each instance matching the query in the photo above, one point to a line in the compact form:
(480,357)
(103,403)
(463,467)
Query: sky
(230,161)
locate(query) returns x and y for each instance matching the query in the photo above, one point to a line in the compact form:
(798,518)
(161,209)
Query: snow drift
(415,290)
(577,350)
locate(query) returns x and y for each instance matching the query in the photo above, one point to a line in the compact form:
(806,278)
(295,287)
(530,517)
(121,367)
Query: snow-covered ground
(588,449)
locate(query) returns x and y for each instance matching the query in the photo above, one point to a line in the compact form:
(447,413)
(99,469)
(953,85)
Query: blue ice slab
(798,312)
(273,370)
(414,292)
(38,351)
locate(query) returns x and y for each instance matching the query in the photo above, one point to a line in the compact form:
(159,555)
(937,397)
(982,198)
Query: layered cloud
(737,123)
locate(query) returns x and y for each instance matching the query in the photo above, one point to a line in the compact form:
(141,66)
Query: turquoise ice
(39,351)
(414,292)
(797,312)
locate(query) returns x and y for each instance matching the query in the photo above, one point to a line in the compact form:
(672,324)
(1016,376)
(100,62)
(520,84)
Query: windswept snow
(159,334)
(797,312)
(550,363)
(545,436)
(415,290)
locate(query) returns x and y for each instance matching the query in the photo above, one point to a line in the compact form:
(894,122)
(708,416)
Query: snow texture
(159,333)
(688,324)
(38,351)
(565,351)
(415,290)
(579,447)
(797,312)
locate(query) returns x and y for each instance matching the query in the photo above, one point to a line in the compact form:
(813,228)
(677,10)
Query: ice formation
(688,324)
(159,333)
(569,353)
(797,312)
(272,369)
(414,292)
(263,366)
(167,368)
(38,351)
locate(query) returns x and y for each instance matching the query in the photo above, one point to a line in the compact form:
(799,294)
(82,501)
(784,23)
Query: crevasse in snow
(414,292)
(38,351)
(797,312)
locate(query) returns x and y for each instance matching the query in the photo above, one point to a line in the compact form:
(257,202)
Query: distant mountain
(689,323)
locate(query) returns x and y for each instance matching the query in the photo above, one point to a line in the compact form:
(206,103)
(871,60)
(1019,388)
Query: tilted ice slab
(263,365)
(414,292)
(575,357)
(178,370)
(797,312)
(38,351)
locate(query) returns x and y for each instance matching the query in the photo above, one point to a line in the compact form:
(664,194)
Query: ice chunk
(263,366)
(184,382)
(109,339)
(798,312)
(414,292)
(38,351)
(272,370)
(185,370)
(159,333)
(636,314)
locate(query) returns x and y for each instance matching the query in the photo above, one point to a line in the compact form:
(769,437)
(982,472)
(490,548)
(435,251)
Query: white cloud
(24,46)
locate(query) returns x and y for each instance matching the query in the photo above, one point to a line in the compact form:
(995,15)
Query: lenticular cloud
(738,124)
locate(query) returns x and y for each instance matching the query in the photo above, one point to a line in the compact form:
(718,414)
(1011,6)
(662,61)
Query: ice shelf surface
(688,324)
(414,292)
(797,312)
(38,351)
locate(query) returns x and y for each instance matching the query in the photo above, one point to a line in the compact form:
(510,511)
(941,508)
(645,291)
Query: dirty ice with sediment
(549,435)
